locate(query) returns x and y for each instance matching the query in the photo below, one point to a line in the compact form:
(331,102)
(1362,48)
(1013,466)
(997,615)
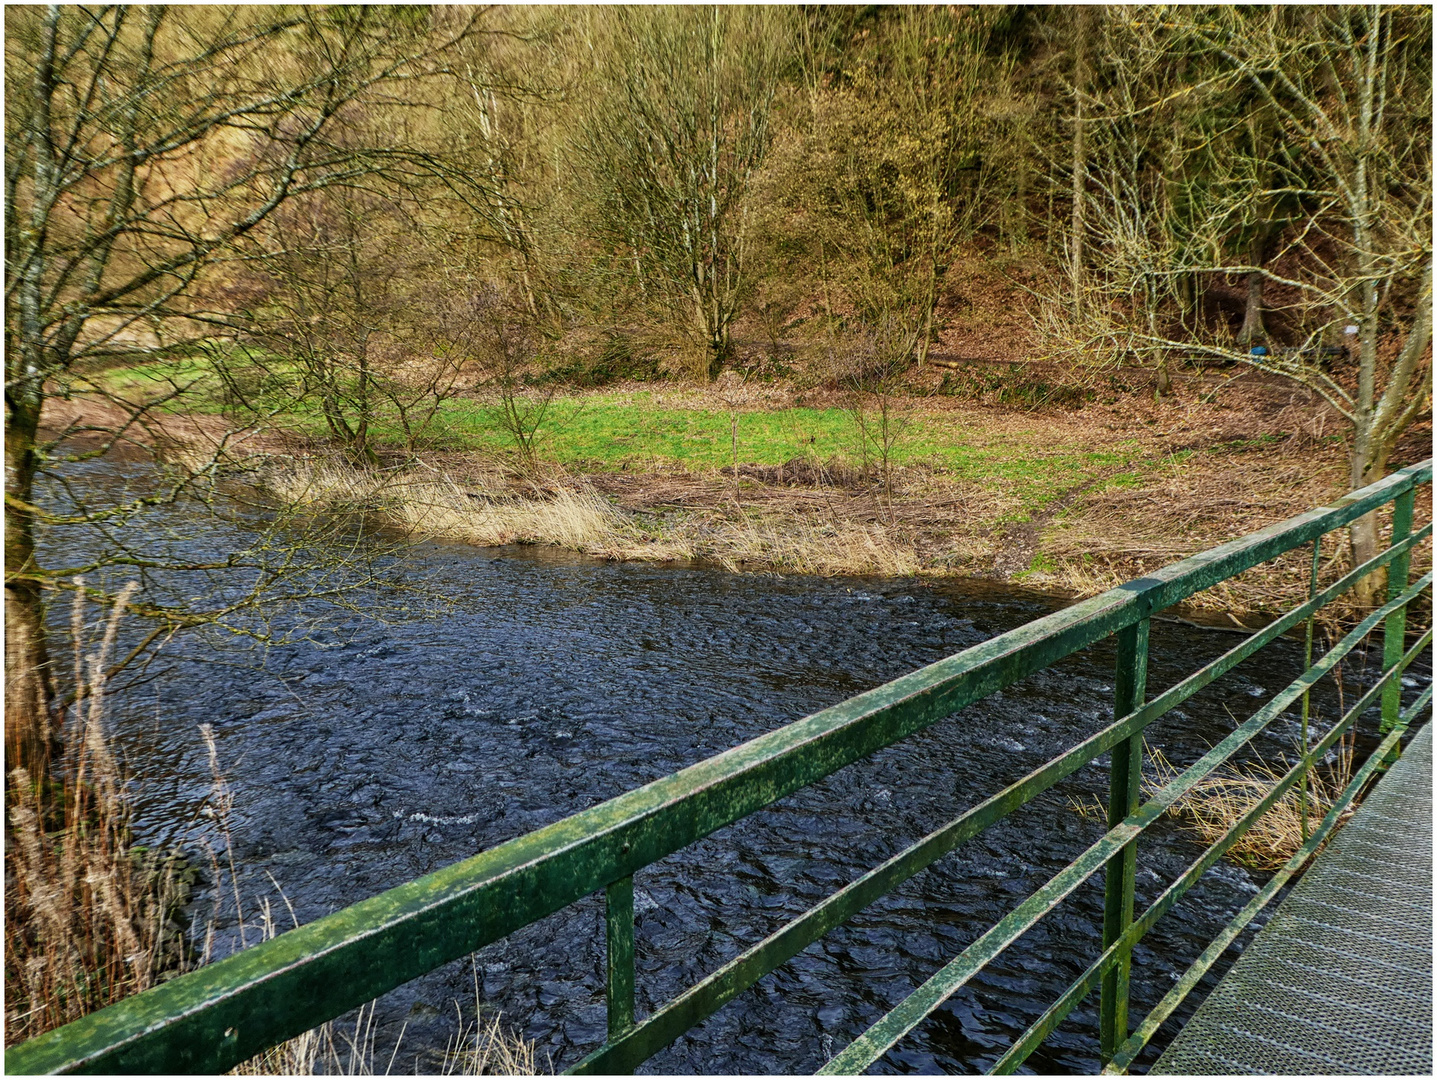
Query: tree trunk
(1080,155)
(30,739)
(930,306)
(1252,327)
(1367,464)
(720,350)
(1162,379)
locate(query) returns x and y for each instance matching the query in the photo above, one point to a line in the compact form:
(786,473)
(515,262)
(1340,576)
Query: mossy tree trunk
(30,737)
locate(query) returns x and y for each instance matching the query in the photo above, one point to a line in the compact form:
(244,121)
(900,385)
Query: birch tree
(1314,172)
(1352,86)
(1349,90)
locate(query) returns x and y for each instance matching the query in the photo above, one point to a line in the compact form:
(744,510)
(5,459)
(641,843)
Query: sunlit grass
(638,431)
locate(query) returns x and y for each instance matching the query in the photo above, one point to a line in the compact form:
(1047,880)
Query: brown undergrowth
(1221,798)
(487,508)
(89,916)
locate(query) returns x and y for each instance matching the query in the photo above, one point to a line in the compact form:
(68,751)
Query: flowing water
(385,750)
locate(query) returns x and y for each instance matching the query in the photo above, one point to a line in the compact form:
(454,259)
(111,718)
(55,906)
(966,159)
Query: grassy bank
(711,429)
(773,477)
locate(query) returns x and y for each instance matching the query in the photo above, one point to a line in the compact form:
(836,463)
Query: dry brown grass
(484,509)
(1240,453)
(1115,535)
(778,520)
(1216,803)
(483,1047)
(799,547)
(1221,798)
(87,914)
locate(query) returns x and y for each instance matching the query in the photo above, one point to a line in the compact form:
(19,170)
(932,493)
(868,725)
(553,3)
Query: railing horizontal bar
(707,996)
(213,1018)
(914,1009)
(1044,1025)
(1181,691)
(1129,1051)
(727,982)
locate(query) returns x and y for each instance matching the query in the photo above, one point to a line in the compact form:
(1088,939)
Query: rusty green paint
(916,1008)
(213,1018)
(1125,781)
(1396,622)
(619,935)
(726,983)
(1044,1026)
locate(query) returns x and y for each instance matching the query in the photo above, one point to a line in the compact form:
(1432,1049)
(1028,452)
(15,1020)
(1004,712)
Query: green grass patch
(1125,480)
(192,378)
(611,431)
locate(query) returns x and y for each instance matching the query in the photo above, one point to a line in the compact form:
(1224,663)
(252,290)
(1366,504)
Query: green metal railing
(215,1017)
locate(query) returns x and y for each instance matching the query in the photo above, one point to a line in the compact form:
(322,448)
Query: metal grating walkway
(1340,979)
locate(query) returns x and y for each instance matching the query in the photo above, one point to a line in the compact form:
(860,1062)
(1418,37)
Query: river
(548,683)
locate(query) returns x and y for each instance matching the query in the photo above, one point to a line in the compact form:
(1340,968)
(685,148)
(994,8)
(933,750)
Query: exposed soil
(88,424)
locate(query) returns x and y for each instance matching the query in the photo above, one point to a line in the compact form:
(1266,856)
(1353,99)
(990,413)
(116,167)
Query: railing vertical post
(1127,772)
(619,930)
(1306,694)
(1392,633)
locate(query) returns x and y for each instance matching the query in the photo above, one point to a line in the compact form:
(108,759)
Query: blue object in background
(1258,350)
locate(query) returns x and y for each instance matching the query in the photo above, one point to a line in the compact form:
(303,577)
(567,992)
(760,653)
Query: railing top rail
(212,1018)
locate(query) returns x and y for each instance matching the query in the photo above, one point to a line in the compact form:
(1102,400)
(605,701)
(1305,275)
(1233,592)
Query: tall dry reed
(1222,797)
(483,1047)
(1216,802)
(433,505)
(87,914)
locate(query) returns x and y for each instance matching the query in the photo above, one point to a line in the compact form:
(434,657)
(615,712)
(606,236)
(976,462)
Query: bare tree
(1334,205)
(1353,86)
(351,309)
(870,371)
(676,126)
(141,145)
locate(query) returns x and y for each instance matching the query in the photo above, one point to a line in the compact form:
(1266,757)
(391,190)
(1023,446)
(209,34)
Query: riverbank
(550,683)
(1070,501)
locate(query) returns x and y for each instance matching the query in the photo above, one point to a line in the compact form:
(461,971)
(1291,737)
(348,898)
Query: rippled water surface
(552,683)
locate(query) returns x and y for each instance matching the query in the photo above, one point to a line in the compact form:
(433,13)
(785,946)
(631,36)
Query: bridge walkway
(1340,979)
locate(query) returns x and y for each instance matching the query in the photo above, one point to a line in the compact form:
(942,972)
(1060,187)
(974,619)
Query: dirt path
(1022,541)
